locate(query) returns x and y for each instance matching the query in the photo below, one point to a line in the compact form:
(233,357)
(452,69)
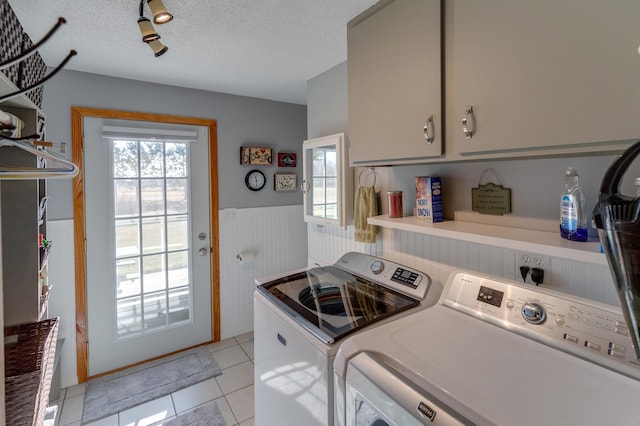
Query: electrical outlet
(229,214)
(532,260)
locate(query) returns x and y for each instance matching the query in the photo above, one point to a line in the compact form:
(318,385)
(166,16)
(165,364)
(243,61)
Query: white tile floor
(232,391)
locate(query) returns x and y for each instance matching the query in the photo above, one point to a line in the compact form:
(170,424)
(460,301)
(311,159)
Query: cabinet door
(542,75)
(394,83)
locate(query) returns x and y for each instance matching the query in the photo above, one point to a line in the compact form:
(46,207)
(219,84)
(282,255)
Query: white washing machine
(301,318)
(492,352)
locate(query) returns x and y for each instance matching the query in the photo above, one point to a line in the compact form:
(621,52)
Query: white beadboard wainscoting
(277,236)
(277,239)
(62,300)
(439,256)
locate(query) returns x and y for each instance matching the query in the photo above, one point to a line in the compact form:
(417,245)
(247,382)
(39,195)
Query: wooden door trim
(77,148)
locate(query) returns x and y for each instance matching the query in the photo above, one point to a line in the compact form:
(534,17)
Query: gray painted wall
(327,102)
(535,183)
(242,121)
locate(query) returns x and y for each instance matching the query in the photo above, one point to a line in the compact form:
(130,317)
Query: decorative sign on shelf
(491,198)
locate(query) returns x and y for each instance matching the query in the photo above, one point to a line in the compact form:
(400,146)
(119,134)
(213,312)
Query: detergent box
(429,198)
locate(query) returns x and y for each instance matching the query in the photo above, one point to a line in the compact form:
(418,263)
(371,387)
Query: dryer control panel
(582,327)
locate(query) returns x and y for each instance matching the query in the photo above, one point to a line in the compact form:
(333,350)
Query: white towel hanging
(67,170)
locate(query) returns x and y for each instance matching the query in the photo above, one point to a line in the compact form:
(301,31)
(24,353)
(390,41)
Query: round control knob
(510,305)
(533,313)
(377,267)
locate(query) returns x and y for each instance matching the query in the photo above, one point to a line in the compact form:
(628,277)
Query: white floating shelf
(543,242)
(22,101)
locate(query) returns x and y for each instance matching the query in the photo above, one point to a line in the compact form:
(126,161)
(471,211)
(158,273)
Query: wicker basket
(29,370)
(10,40)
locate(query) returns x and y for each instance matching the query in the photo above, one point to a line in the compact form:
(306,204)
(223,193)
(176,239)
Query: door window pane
(178,269)
(127,237)
(126,197)
(177,196)
(152,159)
(125,159)
(176,159)
(152,193)
(179,305)
(153,273)
(129,313)
(155,310)
(153,235)
(178,231)
(128,276)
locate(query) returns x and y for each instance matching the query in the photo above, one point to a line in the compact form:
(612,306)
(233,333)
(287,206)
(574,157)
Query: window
(152,228)
(327,180)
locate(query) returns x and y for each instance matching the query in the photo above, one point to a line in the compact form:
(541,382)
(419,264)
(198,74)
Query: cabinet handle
(469,118)
(428,124)
(304,186)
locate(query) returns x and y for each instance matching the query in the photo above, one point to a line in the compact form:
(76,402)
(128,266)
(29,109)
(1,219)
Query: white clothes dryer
(492,352)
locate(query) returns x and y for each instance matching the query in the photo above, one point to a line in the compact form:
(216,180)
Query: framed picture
(256,156)
(286,159)
(284,182)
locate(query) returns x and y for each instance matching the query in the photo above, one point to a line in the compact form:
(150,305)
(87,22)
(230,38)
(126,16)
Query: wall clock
(255,180)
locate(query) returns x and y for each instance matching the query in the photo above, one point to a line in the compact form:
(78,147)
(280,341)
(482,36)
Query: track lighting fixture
(148,32)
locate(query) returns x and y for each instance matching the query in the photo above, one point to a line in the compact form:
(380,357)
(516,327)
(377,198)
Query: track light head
(158,48)
(149,33)
(160,13)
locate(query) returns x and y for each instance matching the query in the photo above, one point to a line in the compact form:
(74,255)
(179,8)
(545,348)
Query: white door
(148,240)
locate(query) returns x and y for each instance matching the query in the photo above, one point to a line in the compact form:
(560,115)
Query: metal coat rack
(30,143)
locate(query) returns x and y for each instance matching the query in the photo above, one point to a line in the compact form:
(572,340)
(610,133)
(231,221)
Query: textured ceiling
(261,48)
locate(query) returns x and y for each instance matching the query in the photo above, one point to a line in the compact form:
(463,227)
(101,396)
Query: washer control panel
(387,273)
(406,277)
(582,327)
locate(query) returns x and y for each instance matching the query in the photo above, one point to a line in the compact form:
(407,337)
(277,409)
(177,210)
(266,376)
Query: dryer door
(377,395)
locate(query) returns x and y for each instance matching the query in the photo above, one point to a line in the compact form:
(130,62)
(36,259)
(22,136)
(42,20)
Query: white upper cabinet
(542,77)
(394,78)
(327,181)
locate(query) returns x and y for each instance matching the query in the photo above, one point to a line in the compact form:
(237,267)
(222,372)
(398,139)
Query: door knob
(203,251)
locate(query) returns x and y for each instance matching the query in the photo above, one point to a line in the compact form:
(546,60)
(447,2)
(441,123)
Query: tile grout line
(231,409)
